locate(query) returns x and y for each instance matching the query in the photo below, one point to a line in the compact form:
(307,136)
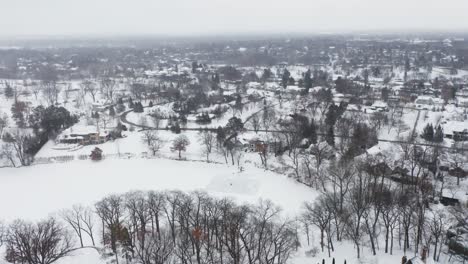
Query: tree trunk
(386,239)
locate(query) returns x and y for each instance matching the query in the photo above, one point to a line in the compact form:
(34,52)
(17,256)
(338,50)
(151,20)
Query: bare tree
(7,152)
(157,249)
(3,123)
(3,233)
(358,204)
(19,142)
(156,118)
(111,212)
(50,91)
(156,203)
(389,217)
(138,215)
(207,140)
(318,214)
(269,118)
(43,243)
(108,87)
(255,122)
(73,219)
(87,219)
(180,144)
(152,140)
(437,226)
(88,86)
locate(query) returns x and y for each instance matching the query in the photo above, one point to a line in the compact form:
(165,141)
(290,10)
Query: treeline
(159,227)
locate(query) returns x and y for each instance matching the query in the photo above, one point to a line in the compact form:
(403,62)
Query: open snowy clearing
(42,189)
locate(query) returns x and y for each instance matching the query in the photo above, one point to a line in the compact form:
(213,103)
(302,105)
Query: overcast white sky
(182,17)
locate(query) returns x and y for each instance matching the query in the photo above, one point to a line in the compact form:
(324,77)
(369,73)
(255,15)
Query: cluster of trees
(157,227)
(433,134)
(160,227)
(360,204)
(45,123)
(136,106)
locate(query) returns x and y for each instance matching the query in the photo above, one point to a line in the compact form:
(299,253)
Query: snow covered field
(43,189)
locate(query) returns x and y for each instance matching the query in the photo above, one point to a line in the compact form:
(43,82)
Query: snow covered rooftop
(455,126)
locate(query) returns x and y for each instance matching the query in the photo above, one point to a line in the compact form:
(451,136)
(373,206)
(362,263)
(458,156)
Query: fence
(68,158)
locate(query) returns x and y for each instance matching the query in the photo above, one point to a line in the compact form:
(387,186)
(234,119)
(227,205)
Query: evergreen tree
(216,78)
(266,75)
(308,80)
(340,85)
(330,136)
(18,111)
(9,92)
(150,104)
(234,125)
(439,134)
(300,83)
(176,128)
(112,111)
(366,76)
(285,78)
(331,115)
(238,104)
(220,135)
(428,132)
(183,119)
(138,107)
(194,66)
(309,130)
(385,93)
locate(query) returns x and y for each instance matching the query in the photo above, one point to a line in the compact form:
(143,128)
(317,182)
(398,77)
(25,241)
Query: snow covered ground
(35,192)
(43,189)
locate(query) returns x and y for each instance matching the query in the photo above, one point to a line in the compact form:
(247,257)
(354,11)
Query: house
(100,105)
(87,135)
(462,102)
(379,106)
(256,145)
(254,85)
(458,172)
(295,89)
(447,201)
(424,102)
(456,130)
(339,98)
